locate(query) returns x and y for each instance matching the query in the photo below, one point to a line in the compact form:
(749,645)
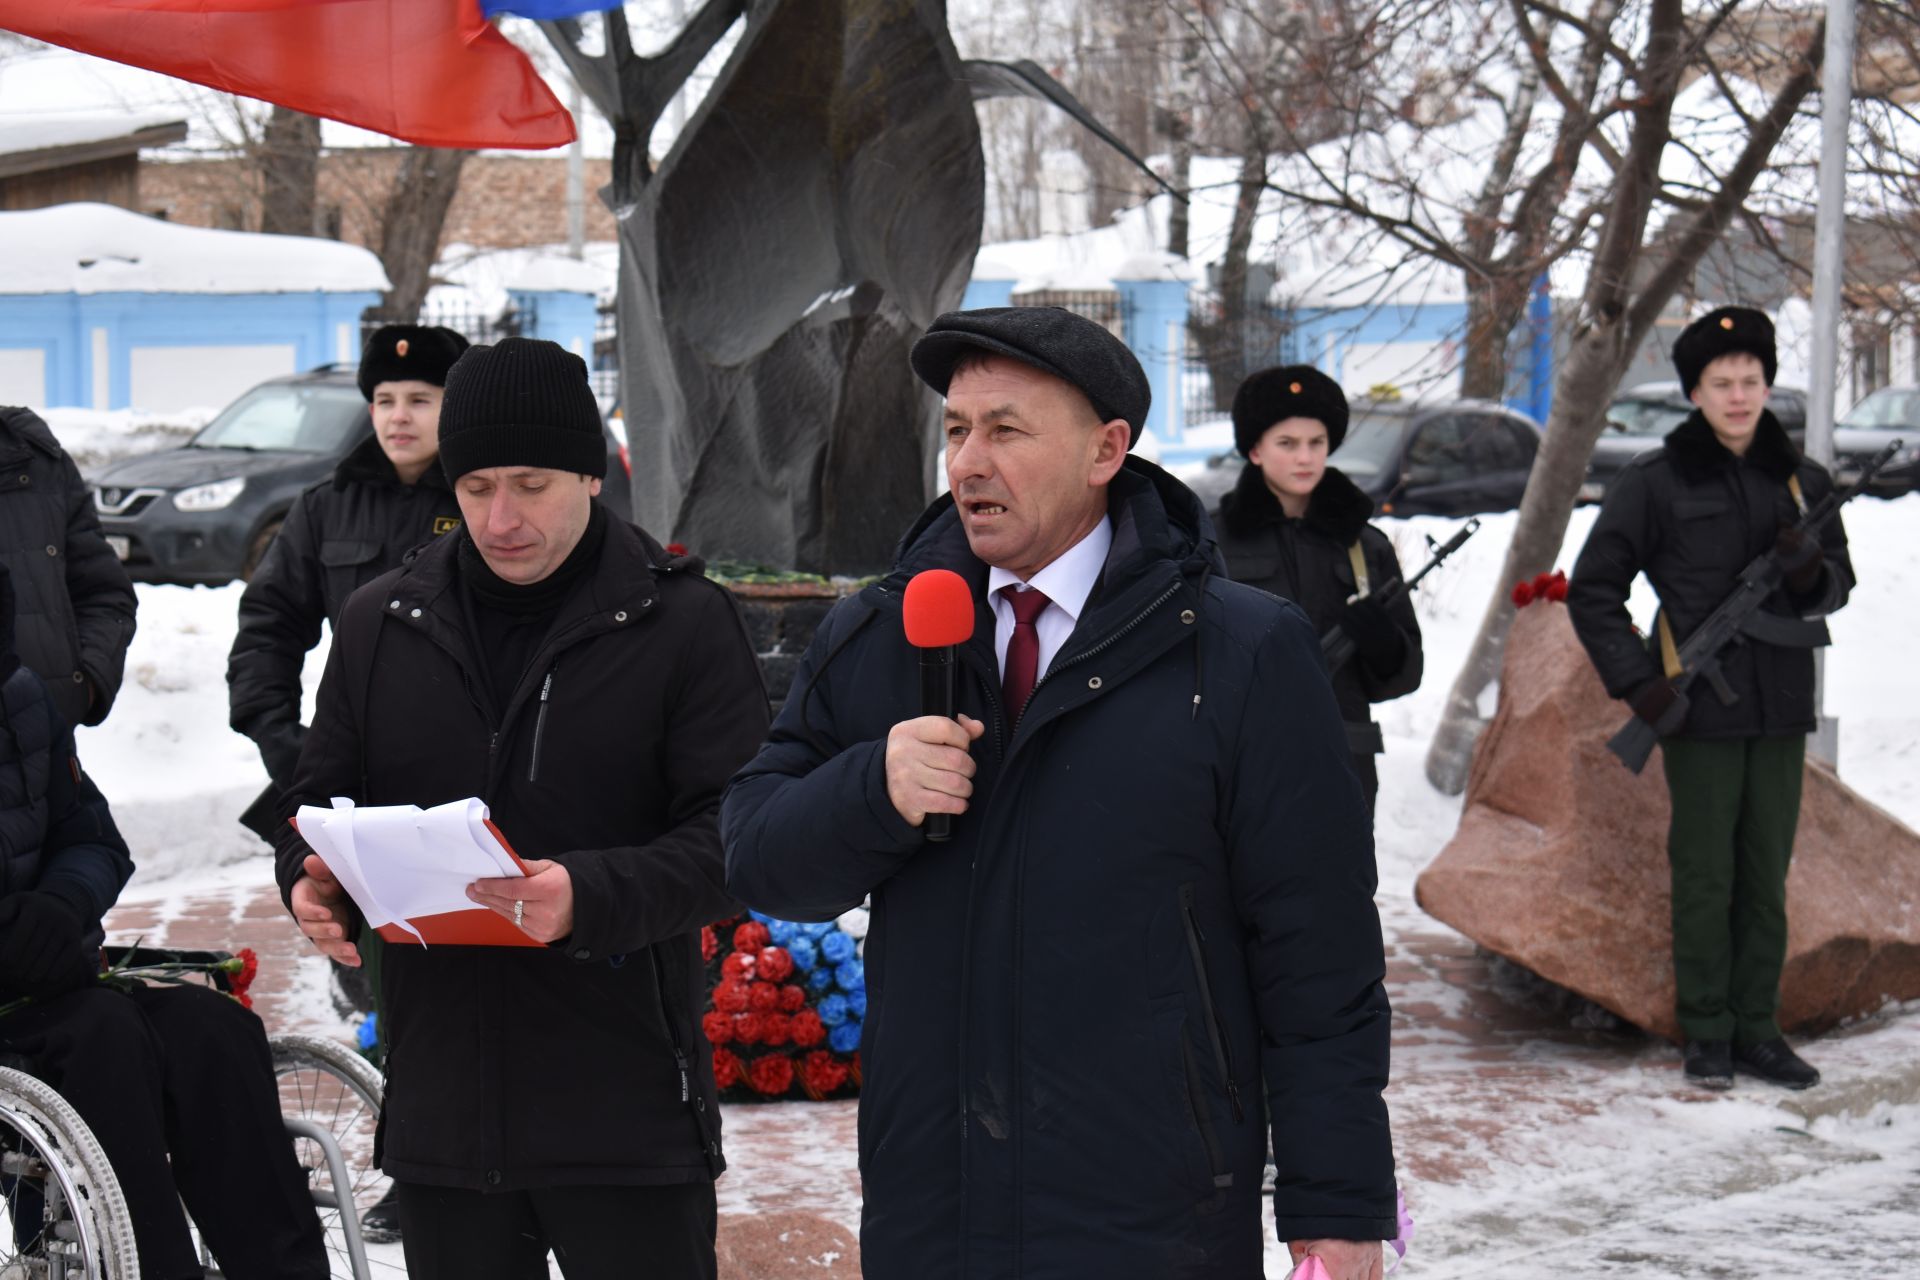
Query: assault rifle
(1336,646)
(1736,616)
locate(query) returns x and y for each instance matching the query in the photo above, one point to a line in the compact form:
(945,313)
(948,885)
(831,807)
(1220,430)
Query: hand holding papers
(408,868)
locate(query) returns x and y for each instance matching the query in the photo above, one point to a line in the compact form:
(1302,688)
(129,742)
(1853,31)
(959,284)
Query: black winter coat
(76,603)
(340,534)
(1691,516)
(1307,561)
(1157,913)
(583,1062)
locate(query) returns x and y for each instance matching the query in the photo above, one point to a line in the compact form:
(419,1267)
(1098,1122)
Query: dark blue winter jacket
(1157,913)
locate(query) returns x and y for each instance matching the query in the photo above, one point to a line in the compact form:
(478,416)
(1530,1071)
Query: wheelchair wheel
(62,1216)
(329,1084)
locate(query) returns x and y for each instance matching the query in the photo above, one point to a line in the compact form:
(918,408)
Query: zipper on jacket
(540,725)
(673,1033)
(1222,1047)
(1106,644)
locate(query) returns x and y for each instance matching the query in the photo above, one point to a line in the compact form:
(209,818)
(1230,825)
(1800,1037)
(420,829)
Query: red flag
(432,72)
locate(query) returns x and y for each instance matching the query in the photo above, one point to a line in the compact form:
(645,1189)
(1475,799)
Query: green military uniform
(1691,515)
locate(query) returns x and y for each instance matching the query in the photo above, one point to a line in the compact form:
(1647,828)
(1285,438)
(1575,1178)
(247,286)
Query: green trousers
(1736,803)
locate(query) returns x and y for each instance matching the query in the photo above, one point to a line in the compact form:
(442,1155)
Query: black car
(1886,415)
(205,512)
(1450,458)
(1639,419)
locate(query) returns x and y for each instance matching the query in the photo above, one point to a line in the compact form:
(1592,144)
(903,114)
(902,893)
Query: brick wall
(504,201)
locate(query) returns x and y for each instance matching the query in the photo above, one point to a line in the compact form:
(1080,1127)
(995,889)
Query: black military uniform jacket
(1691,516)
(341,533)
(1309,562)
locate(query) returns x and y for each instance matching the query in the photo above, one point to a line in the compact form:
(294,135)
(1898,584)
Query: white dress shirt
(1068,581)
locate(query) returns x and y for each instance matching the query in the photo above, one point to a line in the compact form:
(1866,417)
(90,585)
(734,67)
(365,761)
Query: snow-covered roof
(480,279)
(97,248)
(48,130)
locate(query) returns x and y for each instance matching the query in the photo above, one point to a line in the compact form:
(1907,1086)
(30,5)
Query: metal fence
(475,325)
(1218,359)
(1104,307)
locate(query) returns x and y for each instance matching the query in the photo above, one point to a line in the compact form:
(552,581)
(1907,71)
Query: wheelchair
(63,1217)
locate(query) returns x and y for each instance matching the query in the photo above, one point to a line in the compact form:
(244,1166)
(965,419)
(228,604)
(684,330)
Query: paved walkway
(1529,1143)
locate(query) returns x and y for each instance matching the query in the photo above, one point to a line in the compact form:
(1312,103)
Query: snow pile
(97,248)
(96,437)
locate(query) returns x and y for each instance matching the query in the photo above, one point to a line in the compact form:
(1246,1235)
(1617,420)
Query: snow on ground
(96,437)
(1569,1156)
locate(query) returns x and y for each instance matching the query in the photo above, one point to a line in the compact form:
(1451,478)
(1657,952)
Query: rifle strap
(1359,563)
(1799,498)
(1669,652)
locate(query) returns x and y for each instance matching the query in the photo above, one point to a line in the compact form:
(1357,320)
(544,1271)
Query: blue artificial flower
(369,1034)
(844,1038)
(852,976)
(857,1001)
(782,932)
(820,979)
(833,1010)
(818,929)
(836,947)
(761,916)
(804,956)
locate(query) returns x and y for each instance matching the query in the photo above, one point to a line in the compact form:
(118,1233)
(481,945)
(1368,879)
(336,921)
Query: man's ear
(1109,450)
(593,486)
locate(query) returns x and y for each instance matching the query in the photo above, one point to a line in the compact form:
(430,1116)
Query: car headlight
(210,497)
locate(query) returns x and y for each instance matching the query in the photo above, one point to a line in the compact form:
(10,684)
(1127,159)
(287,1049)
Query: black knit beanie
(524,402)
(409,353)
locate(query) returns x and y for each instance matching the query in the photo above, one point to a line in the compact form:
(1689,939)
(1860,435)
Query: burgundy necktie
(1023,649)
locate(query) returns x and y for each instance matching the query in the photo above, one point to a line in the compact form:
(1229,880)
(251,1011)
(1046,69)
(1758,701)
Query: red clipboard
(471,927)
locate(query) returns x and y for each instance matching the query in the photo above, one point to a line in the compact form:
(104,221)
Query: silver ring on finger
(519,912)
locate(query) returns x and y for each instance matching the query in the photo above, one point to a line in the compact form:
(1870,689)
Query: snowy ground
(1554,1152)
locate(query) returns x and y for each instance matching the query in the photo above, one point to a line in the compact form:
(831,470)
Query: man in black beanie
(596,692)
(1727,486)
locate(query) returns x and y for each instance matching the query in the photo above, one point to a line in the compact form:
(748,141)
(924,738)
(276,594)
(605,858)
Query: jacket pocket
(1209,1012)
(1186,1147)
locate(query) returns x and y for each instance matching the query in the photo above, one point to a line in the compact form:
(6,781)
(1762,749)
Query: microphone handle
(936,699)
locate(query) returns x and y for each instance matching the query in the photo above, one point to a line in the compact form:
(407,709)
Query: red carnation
(793,998)
(748,1027)
(726,1069)
(762,998)
(738,965)
(775,965)
(807,1029)
(718,1026)
(1542,582)
(1557,588)
(238,983)
(820,1074)
(1522,594)
(771,1074)
(775,1028)
(709,945)
(751,936)
(731,996)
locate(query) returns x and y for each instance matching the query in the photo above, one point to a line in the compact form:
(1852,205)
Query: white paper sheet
(398,862)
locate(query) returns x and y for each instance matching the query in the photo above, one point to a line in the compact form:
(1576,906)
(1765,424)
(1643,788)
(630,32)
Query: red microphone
(938,613)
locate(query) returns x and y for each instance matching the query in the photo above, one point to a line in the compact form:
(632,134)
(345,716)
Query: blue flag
(545,9)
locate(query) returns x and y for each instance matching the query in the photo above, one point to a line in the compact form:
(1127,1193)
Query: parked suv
(1889,414)
(1450,458)
(205,512)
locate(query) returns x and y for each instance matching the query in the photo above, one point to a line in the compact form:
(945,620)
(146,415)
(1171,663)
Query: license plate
(122,547)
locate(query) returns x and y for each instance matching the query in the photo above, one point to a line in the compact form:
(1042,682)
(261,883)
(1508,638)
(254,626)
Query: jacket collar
(367,463)
(1337,507)
(31,429)
(1698,454)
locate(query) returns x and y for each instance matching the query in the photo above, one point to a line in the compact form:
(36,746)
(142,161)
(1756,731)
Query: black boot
(381,1223)
(1775,1063)
(1710,1064)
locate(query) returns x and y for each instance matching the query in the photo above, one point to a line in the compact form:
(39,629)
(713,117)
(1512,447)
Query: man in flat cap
(1727,486)
(1152,930)
(597,692)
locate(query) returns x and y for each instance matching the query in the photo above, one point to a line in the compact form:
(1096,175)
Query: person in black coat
(596,693)
(1153,925)
(385,498)
(75,602)
(1298,528)
(155,1071)
(1726,486)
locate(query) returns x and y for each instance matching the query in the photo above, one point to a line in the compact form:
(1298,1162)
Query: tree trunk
(1494,307)
(289,173)
(410,227)
(1228,341)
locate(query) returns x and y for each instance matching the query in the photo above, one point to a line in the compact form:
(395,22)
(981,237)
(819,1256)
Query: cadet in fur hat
(1727,486)
(1298,528)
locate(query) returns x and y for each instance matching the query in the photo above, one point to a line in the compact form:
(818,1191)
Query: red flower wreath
(726,1069)
(774,964)
(750,937)
(771,1074)
(718,1026)
(731,996)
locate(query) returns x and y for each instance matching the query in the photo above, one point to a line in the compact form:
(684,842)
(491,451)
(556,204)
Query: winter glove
(1652,700)
(1799,559)
(40,946)
(1376,638)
